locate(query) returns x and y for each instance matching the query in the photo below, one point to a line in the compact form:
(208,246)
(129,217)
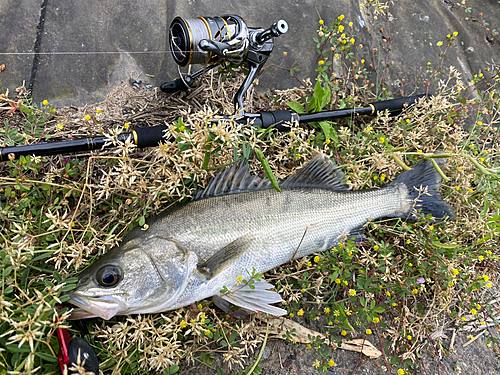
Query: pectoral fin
(258,299)
(225,257)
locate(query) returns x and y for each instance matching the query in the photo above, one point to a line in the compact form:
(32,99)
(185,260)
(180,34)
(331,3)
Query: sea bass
(240,224)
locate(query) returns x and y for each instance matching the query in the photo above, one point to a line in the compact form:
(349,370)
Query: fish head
(142,275)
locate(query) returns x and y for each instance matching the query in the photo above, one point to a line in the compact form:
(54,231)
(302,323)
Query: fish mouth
(90,307)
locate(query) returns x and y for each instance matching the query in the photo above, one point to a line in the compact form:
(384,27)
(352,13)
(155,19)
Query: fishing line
(89,53)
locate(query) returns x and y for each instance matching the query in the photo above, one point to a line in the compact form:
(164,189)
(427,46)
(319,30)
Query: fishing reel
(213,41)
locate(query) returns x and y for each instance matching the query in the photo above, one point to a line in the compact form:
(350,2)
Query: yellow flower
(341,28)
(388,294)
(330,323)
(481,258)
(382,177)
(410,264)
(352,292)
(239,278)
(127,125)
(457,188)
(327,309)
(376,320)
(464,319)
(489,285)
(300,312)
(352,40)
(415,291)
(336,313)
(362,61)
(455,33)
(183,324)
(455,272)
(98,111)
(401,372)
(382,140)
(375,247)
(45,102)
(60,126)
(309,264)
(316,363)
(341,17)
(291,315)
(439,44)
(87,117)
(408,337)
(321,22)
(316,258)
(478,306)
(328,141)
(321,62)
(345,283)
(348,312)
(337,281)
(309,346)
(72,224)
(207,332)
(331,363)
(343,333)
(350,24)
(473,311)
(368,331)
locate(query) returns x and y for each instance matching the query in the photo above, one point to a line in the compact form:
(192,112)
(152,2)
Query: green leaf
(267,169)
(142,221)
(46,357)
(444,246)
(296,107)
(25,109)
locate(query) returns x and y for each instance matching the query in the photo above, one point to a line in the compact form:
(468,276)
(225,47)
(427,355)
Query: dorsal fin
(322,172)
(231,180)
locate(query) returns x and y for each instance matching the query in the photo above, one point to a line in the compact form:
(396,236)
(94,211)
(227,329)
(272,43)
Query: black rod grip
(149,136)
(396,104)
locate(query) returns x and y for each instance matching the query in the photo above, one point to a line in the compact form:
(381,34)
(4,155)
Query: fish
(240,226)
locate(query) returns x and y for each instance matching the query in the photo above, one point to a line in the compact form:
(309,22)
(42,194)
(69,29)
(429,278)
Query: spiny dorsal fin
(233,179)
(321,171)
(225,257)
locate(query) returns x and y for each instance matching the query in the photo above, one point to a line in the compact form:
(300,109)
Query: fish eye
(108,276)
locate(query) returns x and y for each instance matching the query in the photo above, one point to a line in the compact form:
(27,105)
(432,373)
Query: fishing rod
(151,136)
(211,42)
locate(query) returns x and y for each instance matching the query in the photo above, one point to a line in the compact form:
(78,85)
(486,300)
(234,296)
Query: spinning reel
(212,41)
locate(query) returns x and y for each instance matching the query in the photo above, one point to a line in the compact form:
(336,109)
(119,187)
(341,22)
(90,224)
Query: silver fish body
(239,224)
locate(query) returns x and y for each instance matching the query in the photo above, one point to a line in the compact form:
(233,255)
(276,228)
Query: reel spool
(186,35)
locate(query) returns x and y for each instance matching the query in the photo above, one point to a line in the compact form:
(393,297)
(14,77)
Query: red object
(63,337)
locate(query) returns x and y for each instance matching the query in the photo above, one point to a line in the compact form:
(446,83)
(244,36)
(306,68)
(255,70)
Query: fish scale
(238,224)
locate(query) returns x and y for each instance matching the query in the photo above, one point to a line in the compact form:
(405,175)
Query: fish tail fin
(420,186)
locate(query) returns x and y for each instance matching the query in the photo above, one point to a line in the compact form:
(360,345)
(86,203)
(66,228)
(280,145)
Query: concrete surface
(18,34)
(128,33)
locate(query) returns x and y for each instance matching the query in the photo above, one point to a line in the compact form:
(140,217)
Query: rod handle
(149,136)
